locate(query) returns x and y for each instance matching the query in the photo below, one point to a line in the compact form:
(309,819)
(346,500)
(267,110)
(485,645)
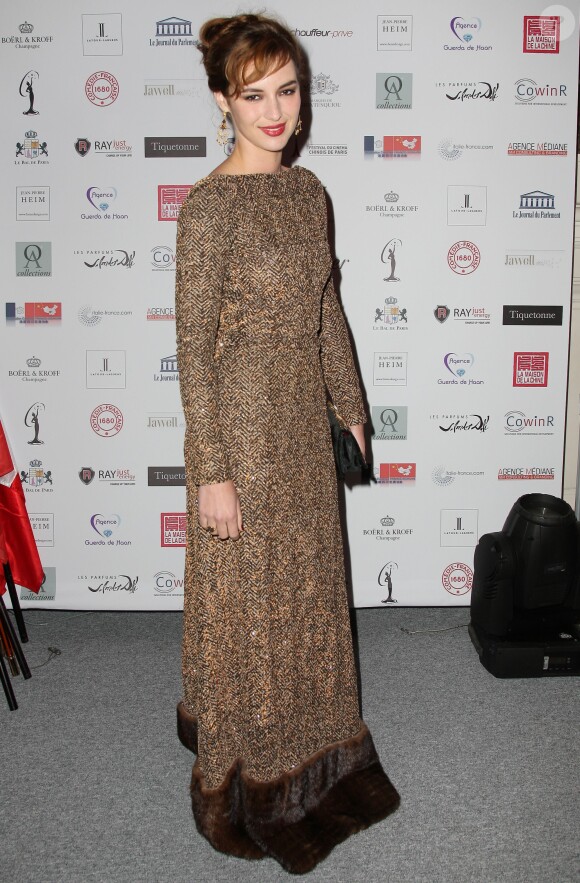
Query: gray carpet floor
(94,784)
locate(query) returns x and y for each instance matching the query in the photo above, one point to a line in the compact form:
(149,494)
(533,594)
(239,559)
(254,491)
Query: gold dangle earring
(298,128)
(222,132)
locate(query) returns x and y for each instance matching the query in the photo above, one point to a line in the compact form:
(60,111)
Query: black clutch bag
(348,456)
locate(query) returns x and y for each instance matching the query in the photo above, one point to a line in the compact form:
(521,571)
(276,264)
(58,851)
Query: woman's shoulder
(205,197)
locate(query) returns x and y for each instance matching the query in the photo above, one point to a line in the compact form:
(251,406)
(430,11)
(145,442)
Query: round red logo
(102,88)
(463,257)
(106,420)
(457,578)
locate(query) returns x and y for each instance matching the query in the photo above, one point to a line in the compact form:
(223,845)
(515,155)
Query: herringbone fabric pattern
(268,665)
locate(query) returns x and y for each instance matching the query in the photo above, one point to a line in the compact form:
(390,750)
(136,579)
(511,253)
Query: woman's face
(265,113)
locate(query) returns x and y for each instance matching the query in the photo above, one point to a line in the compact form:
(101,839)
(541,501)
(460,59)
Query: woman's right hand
(219,510)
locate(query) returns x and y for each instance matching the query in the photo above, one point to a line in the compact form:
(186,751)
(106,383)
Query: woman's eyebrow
(255,89)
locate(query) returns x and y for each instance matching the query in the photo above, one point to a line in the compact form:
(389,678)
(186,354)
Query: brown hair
(239,50)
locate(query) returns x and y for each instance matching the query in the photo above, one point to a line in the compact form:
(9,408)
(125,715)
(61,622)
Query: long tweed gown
(285,767)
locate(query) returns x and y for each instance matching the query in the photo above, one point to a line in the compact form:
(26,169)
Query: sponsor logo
(321,88)
(459,365)
(316,32)
(466,205)
(160,314)
(91,317)
(27,39)
(526,473)
(390,369)
(33,203)
(106,369)
(458,527)
(459,423)
(385,580)
(181,88)
(173,529)
(443,476)
(163,258)
(536,205)
(168,370)
(103,584)
(112,477)
(33,373)
(36,479)
(390,256)
(394,33)
(539,259)
(26,91)
(463,257)
(103,34)
(166,583)
(82,146)
(451,150)
(173,31)
(457,578)
(42,528)
(518,423)
(86,475)
(530,369)
(393,146)
(166,476)
(102,89)
(32,420)
(105,526)
(537,148)
(387,530)
(101,198)
(165,420)
(395,473)
(334,149)
(31,150)
(528,91)
(526,314)
(441,313)
(465,315)
(542,33)
(391,317)
(33,258)
(104,260)
(391,208)
(466,32)
(394,91)
(480,90)
(47,589)
(159,148)
(169,200)
(106,420)
(389,423)
(113,149)
(33,313)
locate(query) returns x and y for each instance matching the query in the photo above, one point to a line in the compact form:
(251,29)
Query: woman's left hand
(358,430)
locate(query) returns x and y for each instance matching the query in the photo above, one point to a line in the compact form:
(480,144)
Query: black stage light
(525,601)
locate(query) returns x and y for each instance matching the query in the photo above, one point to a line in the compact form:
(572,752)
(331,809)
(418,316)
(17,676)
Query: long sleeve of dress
(340,374)
(202,249)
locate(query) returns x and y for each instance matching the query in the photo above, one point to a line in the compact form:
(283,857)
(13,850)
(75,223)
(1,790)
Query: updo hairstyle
(239,50)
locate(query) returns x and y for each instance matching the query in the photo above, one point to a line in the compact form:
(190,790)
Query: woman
(285,767)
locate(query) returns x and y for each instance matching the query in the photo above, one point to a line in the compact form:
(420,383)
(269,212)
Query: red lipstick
(273,131)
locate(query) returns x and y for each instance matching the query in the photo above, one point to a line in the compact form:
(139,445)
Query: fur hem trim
(187,728)
(299,817)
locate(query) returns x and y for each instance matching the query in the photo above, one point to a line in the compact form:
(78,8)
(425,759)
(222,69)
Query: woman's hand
(358,430)
(220,510)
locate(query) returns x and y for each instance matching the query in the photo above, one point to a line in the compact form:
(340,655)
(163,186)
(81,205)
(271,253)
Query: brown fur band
(299,817)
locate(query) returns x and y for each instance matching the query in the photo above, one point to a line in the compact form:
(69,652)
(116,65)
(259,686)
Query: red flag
(17,544)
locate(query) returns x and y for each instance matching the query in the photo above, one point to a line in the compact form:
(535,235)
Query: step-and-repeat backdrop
(445,136)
